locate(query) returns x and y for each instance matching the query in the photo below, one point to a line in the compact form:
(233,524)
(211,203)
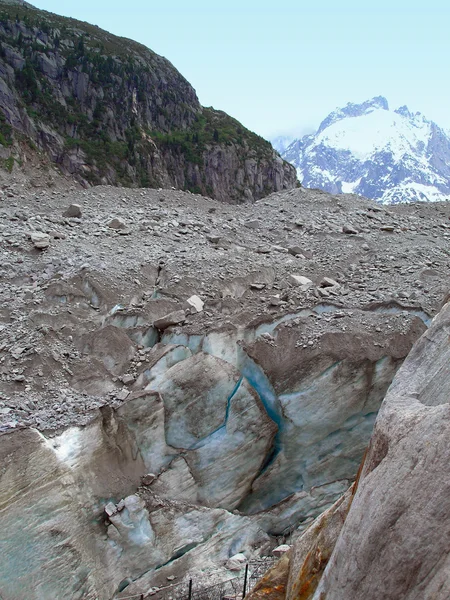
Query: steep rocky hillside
(369,149)
(109,110)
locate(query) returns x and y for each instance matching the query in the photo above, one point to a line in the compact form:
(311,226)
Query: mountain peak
(404,111)
(354,110)
(367,149)
(15,2)
(378,102)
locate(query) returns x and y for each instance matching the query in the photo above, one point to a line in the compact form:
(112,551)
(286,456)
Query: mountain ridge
(371,150)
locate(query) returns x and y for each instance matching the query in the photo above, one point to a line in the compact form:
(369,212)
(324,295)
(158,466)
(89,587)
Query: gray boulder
(395,541)
(73,211)
(174,318)
(117,224)
(40,240)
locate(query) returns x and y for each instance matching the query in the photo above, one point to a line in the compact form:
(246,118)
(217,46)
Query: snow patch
(67,446)
(375,131)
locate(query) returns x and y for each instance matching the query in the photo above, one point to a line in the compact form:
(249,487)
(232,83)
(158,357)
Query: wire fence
(234,588)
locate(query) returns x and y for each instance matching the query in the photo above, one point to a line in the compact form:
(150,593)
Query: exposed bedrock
(387,536)
(395,540)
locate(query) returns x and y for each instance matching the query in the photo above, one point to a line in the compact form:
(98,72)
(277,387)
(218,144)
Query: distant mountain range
(368,149)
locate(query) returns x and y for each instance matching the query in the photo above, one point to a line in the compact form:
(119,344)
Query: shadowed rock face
(394,543)
(108,110)
(274,583)
(311,553)
(297,574)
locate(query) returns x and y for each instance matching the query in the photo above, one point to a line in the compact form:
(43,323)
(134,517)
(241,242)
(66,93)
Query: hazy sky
(283,66)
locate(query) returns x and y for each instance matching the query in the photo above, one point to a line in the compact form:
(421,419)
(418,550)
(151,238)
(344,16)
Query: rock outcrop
(395,540)
(297,574)
(108,110)
(388,536)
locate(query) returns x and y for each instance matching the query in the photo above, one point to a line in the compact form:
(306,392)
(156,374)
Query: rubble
(285,313)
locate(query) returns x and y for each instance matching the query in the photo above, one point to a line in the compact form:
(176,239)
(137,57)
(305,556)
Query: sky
(282,67)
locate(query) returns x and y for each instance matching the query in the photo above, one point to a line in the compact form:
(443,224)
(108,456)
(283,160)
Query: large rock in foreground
(395,541)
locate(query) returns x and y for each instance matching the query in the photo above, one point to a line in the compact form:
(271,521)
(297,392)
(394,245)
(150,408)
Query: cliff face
(109,110)
(394,543)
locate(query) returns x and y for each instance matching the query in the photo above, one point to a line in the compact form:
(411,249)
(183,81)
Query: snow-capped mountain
(368,149)
(282,142)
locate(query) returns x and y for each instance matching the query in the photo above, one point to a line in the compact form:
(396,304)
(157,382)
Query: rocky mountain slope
(108,110)
(180,382)
(368,149)
(388,535)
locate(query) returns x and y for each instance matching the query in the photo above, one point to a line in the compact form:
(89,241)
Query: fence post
(245,581)
(190,589)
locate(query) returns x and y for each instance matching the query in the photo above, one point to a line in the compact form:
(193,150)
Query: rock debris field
(74,260)
(205,376)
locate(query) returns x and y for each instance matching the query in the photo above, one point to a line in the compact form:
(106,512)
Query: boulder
(327,282)
(174,318)
(40,240)
(395,540)
(280,550)
(296,251)
(117,223)
(236,562)
(196,302)
(300,280)
(73,211)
